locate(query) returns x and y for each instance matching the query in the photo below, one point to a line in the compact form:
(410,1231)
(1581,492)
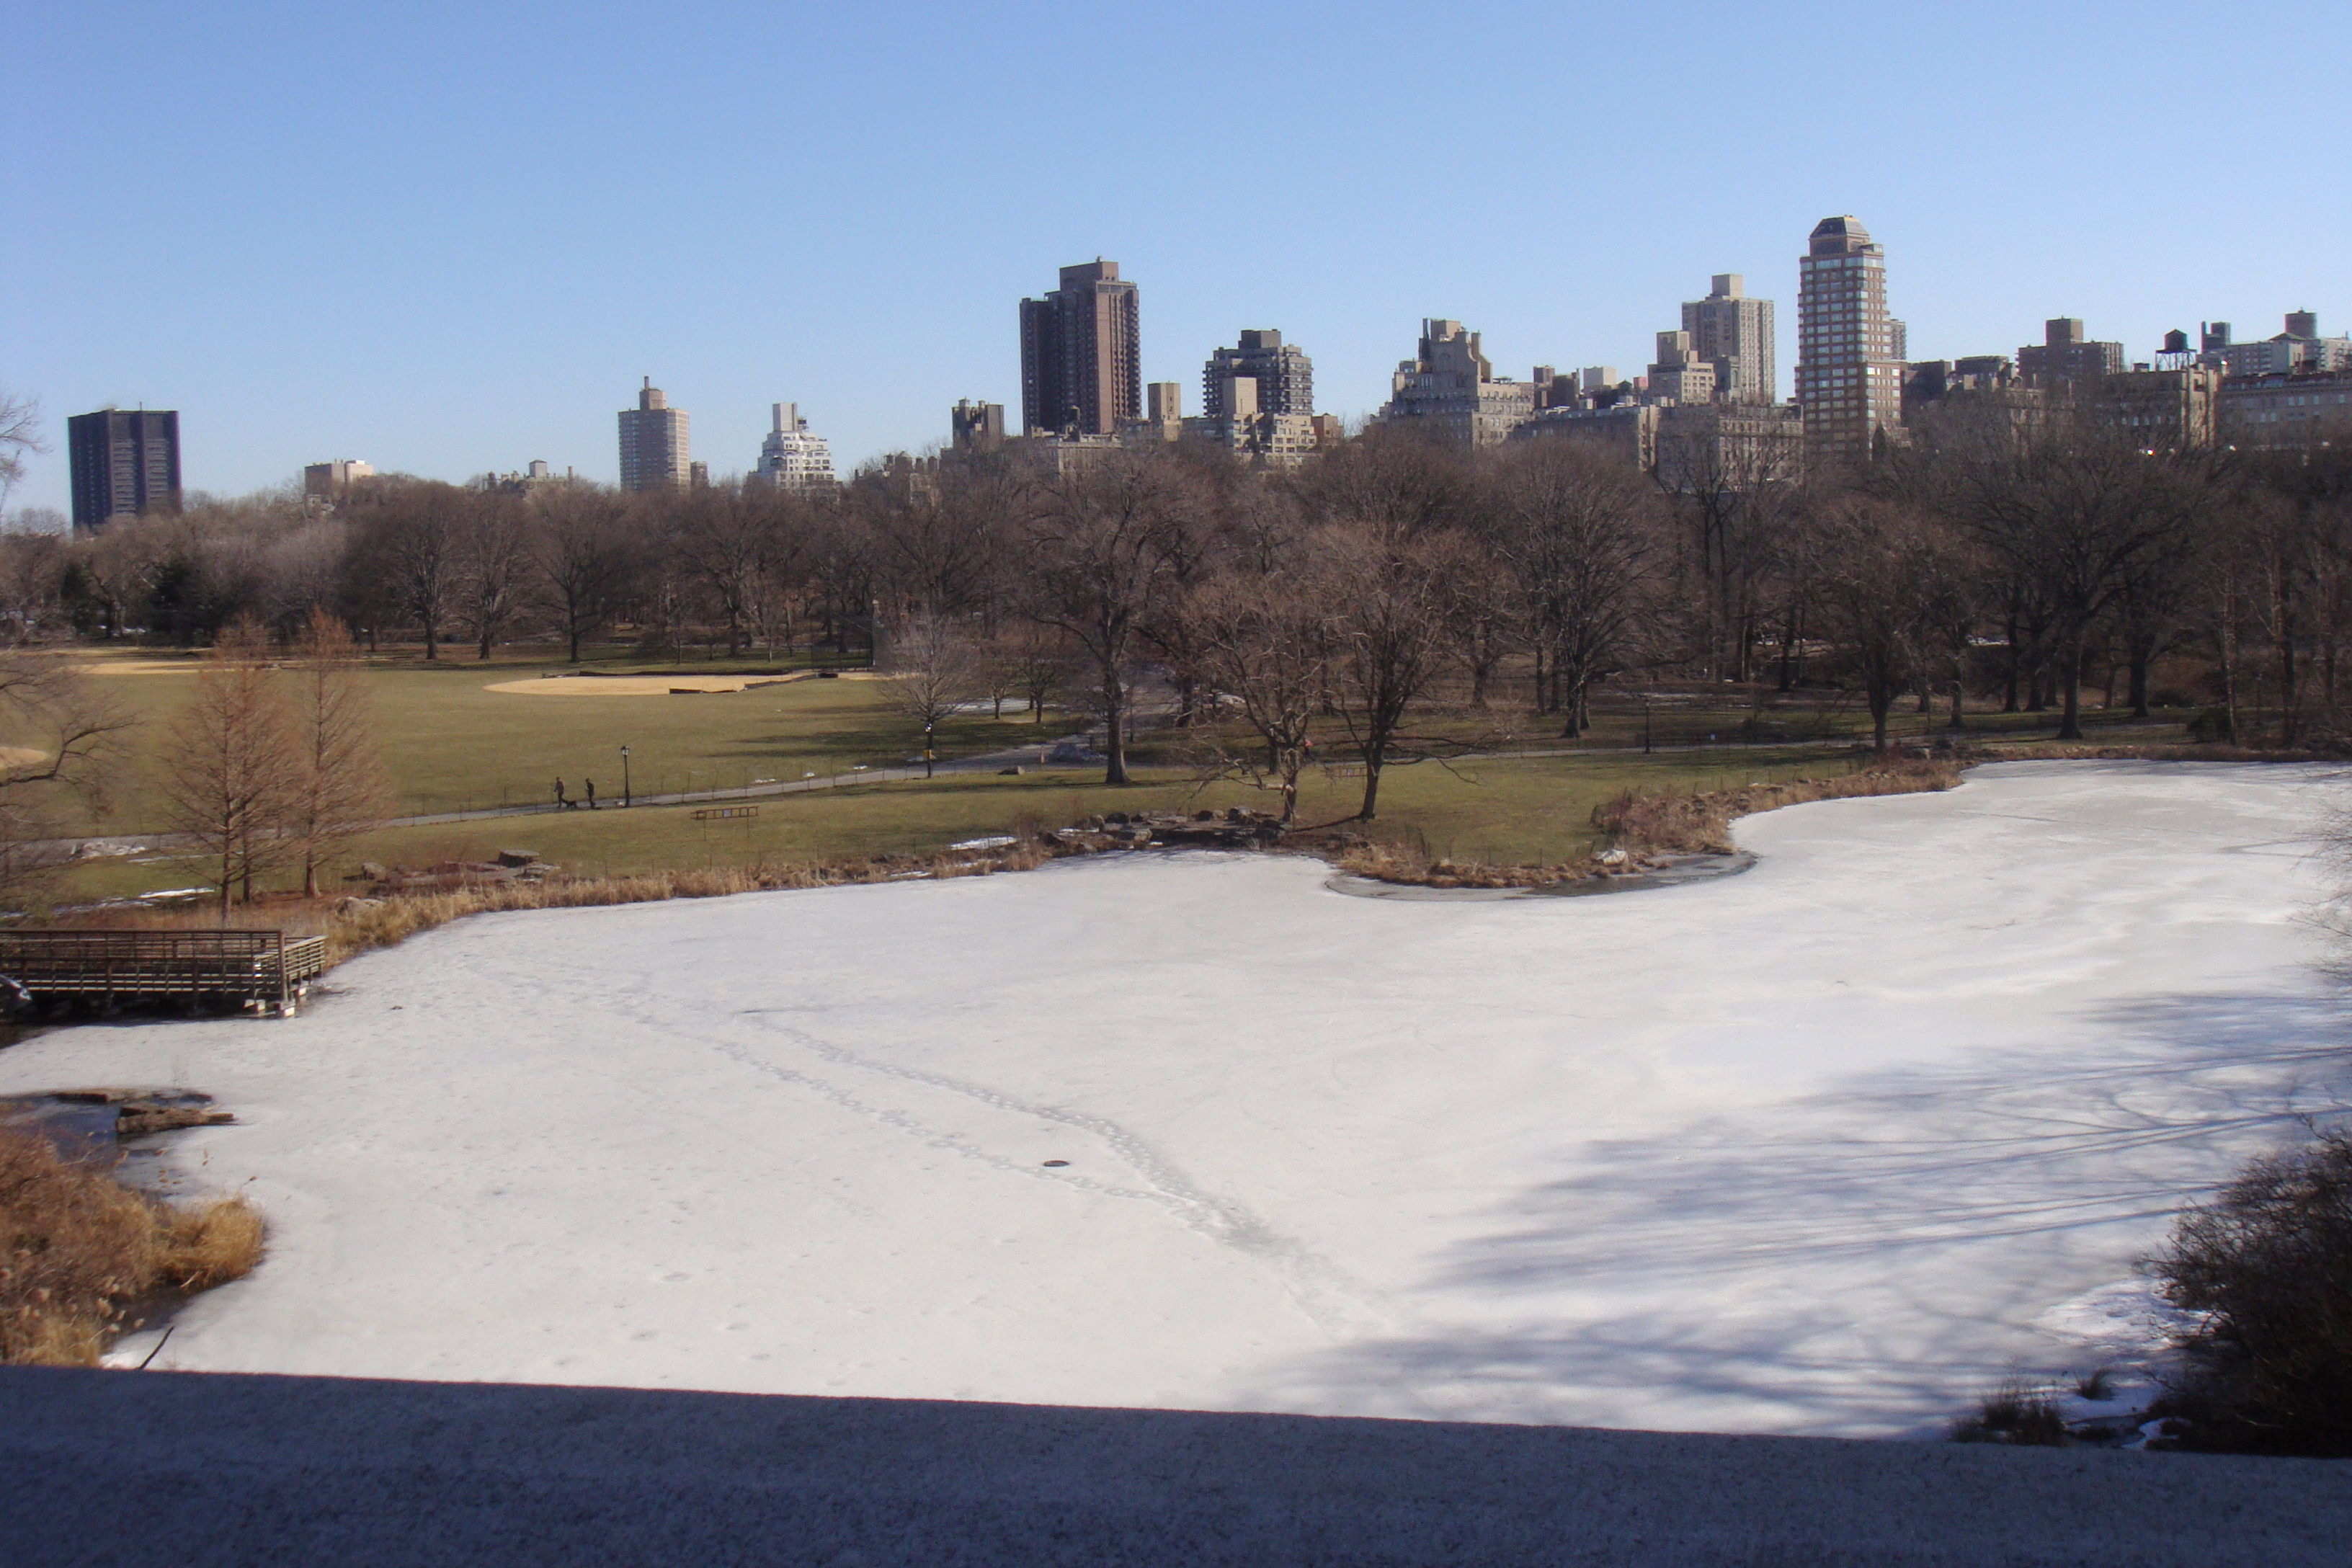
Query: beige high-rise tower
(654,454)
(1849,349)
(1734,334)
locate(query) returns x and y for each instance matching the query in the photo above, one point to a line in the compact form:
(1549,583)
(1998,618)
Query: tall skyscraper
(793,456)
(1081,355)
(1285,376)
(1849,361)
(123,464)
(654,446)
(1734,334)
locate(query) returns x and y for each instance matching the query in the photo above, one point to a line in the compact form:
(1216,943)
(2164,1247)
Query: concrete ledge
(203,1468)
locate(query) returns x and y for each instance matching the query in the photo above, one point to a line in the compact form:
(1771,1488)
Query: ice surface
(1829,1147)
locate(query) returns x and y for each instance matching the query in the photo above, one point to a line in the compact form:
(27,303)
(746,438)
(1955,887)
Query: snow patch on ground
(1834,1146)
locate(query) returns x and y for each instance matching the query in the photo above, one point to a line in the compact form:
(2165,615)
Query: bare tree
(1393,480)
(20,437)
(63,738)
(1881,573)
(1034,667)
(1732,474)
(935,542)
(1097,562)
(584,558)
(1265,642)
(421,530)
(933,670)
(229,762)
(493,568)
(340,790)
(1581,535)
(305,571)
(32,575)
(727,541)
(1389,641)
(2077,511)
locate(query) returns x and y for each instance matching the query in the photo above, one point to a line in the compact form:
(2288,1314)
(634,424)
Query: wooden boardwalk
(260,969)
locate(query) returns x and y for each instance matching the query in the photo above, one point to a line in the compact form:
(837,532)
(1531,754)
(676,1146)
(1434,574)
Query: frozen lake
(1829,1147)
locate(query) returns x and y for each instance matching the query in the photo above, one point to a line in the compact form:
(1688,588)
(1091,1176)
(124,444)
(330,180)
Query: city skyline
(455,298)
(1714,329)
(1080,350)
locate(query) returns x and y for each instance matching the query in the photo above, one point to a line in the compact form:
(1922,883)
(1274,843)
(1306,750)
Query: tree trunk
(2288,696)
(2228,643)
(1572,702)
(2009,678)
(1114,731)
(2069,723)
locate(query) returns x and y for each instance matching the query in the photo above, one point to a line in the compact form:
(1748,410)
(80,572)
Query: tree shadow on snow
(1866,1260)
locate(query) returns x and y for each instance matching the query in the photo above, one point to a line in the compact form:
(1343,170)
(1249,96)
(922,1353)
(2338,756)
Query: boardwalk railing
(262,969)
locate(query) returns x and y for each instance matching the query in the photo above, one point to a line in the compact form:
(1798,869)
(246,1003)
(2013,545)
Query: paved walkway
(228,1469)
(1074,754)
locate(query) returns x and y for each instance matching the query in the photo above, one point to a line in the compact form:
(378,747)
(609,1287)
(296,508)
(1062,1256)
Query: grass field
(454,744)
(1512,812)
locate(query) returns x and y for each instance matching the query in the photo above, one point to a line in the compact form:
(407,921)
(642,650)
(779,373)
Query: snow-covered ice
(1829,1147)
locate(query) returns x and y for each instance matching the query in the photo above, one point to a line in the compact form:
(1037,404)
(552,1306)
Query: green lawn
(452,745)
(1531,810)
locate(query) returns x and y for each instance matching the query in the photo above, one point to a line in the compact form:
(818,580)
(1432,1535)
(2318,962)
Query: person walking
(561,804)
(592,794)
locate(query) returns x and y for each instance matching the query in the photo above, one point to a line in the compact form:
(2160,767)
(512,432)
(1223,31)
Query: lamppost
(625,775)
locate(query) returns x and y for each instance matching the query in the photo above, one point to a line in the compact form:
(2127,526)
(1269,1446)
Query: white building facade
(794,457)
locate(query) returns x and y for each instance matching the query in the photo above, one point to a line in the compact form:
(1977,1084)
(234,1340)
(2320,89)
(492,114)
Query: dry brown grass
(78,1251)
(1644,824)
(1407,863)
(356,925)
(366,923)
(200,1248)
(2191,751)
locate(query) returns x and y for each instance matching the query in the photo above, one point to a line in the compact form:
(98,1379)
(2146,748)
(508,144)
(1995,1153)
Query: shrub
(2211,725)
(2267,1266)
(2016,1412)
(79,1250)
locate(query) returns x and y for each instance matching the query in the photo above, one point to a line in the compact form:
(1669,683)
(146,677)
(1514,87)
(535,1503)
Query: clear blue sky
(448,238)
